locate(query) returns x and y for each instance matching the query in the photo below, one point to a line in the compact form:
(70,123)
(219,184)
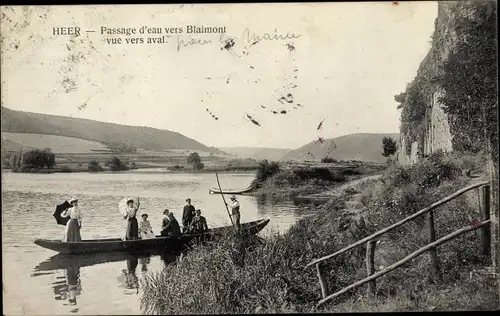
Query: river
(36,282)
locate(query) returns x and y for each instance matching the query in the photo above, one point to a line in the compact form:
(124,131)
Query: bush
(94,166)
(283,178)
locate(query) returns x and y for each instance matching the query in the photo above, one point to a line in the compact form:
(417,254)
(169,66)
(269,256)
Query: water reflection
(68,287)
(128,279)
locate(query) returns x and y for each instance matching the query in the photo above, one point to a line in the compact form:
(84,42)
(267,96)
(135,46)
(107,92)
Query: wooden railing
(370,241)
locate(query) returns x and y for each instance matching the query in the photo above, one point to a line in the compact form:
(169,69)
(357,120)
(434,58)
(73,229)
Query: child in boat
(145,230)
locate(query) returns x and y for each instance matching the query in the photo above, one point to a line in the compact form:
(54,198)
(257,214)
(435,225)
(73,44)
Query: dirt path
(335,191)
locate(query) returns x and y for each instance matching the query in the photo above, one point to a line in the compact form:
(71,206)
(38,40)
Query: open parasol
(122,205)
(59,209)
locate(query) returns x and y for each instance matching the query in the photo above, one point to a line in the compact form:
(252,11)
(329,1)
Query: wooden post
(322,280)
(433,250)
(370,265)
(484,214)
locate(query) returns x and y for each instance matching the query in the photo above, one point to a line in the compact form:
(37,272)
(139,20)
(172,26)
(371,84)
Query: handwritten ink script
(247,38)
(252,38)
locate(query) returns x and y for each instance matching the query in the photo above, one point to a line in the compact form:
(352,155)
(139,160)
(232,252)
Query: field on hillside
(58,144)
(75,154)
(101,132)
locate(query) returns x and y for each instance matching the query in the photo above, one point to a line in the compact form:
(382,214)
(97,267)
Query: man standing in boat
(235,211)
(187,215)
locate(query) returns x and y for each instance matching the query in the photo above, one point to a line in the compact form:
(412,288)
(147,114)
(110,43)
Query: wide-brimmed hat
(144,215)
(130,200)
(73,200)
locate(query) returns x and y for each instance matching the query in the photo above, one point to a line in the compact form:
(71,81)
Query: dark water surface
(37,281)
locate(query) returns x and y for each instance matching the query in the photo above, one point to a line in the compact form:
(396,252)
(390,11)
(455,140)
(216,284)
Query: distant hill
(257,153)
(57,144)
(362,146)
(90,130)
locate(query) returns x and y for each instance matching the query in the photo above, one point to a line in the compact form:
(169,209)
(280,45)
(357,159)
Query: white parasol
(122,205)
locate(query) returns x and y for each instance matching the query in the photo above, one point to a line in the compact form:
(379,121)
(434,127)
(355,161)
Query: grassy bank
(266,277)
(278,182)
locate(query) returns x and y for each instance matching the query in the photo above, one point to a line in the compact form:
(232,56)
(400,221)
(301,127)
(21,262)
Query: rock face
(431,131)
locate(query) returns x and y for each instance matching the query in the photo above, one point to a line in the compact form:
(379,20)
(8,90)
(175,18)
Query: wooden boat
(160,243)
(218,191)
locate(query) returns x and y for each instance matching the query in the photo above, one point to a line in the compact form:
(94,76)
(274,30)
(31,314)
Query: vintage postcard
(249,158)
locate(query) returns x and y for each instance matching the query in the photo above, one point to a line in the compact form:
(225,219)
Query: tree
(26,160)
(194,160)
(389,146)
(265,170)
(48,158)
(116,164)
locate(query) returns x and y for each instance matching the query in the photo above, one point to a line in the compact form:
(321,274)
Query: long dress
(146,231)
(132,224)
(72,231)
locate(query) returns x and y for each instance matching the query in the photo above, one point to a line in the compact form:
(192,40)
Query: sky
(340,63)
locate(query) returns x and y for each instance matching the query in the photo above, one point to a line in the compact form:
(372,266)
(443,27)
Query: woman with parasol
(74,224)
(129,209)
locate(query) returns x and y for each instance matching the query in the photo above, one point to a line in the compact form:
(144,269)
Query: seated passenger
(199,223)
(172,229)
(145,230)
(165,220)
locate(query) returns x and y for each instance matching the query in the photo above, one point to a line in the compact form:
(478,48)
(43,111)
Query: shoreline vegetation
(267,275)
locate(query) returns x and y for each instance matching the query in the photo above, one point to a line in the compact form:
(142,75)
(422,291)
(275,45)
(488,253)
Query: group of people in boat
(192,221)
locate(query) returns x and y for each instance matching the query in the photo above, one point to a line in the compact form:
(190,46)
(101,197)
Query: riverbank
(312,182)
(250,277)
